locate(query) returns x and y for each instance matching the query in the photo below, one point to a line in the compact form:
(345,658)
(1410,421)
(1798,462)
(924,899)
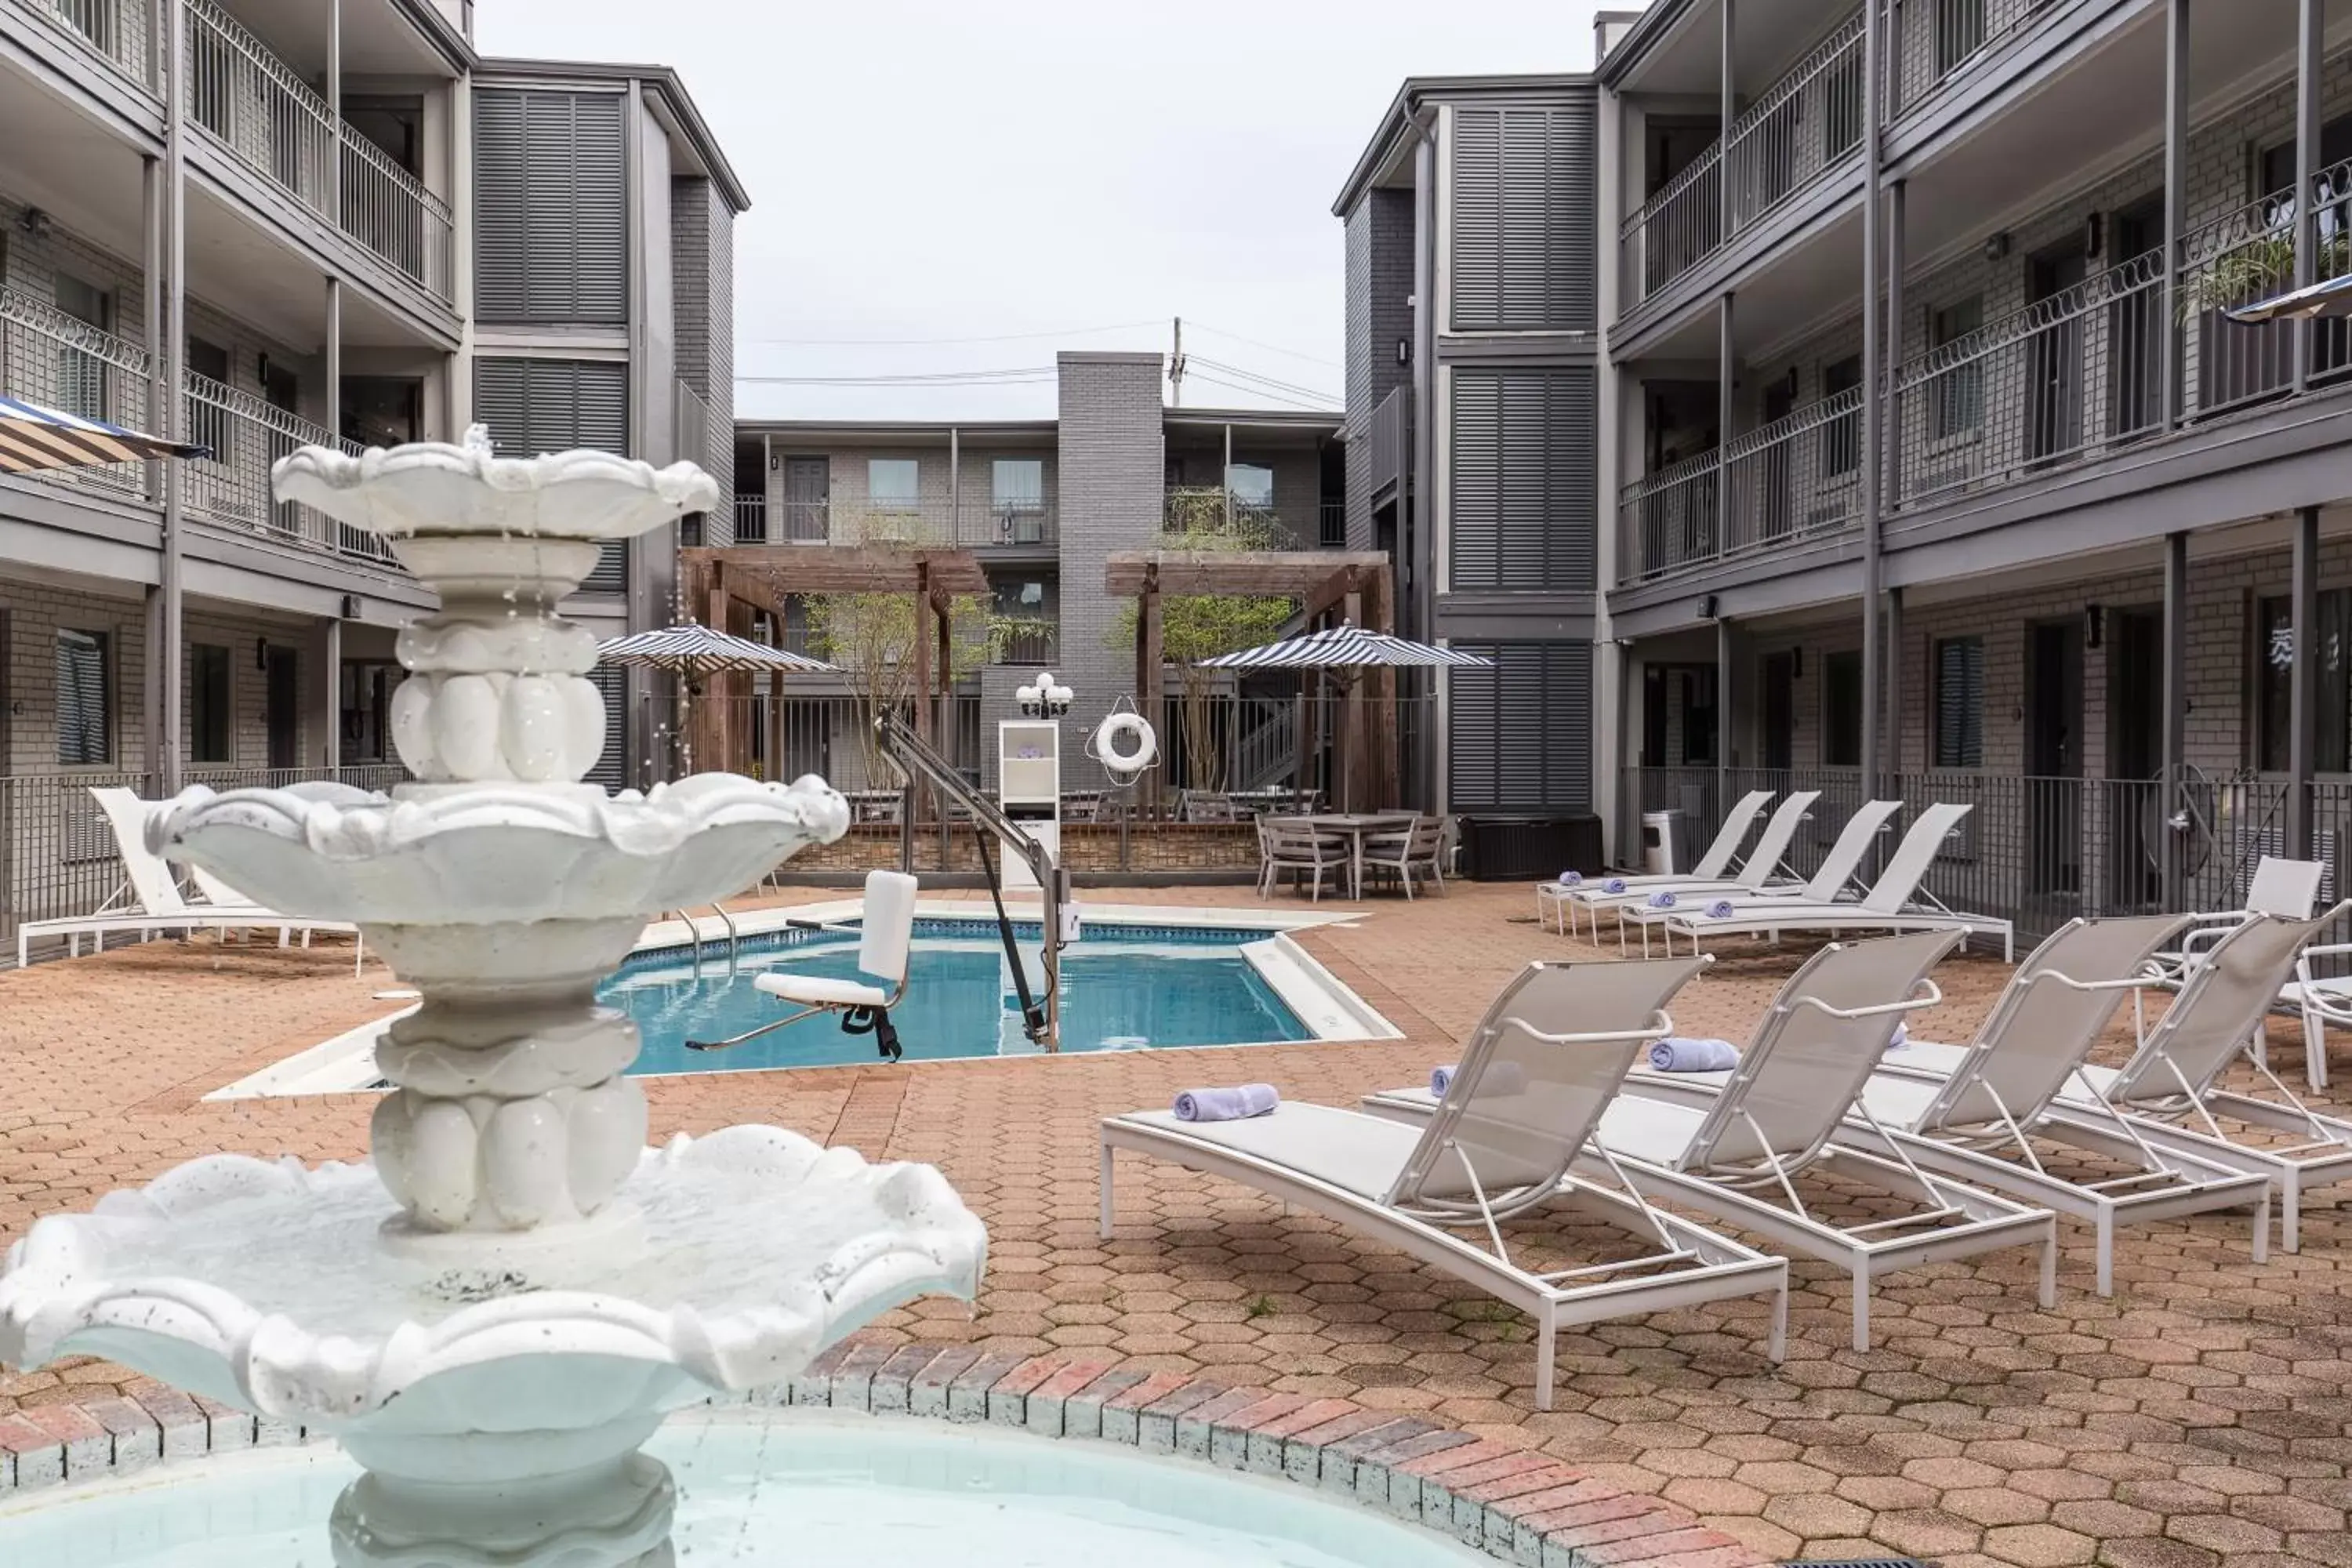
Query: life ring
(1117,727)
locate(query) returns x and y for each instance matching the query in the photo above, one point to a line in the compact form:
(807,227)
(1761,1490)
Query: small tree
(1197,626)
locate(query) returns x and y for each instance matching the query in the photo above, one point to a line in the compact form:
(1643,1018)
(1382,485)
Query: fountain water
(495,1315)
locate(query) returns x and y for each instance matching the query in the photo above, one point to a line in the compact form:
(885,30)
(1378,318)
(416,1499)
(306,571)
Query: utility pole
(1176,368)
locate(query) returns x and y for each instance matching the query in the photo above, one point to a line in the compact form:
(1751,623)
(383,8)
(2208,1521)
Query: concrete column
(2175,208)
(2176,712)
(2303,689)
(1726,664)
(2310,49)
(1726,374)
(1897,258)
(334,418)
(322,655)
(169,651)
(1873,370)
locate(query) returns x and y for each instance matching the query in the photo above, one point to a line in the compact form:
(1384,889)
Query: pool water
(797,1493)
(1123,988)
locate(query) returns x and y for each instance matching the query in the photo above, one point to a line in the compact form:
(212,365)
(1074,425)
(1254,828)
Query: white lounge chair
(1887,906)
(1828,884)
(1977,1113)
(1738,1154)
(2278,886)
(2165,1098)
(149,902)
(1535,1077)
(1756,876)
(1552,898)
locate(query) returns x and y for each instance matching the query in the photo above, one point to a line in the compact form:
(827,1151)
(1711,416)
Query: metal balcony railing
(1936,42)
(50,358)
(118,31)
(1391,442)
(971,520)
(750,520)
(1028,645)
(1288,525)
(255,106)
(1331,525)
(231,488)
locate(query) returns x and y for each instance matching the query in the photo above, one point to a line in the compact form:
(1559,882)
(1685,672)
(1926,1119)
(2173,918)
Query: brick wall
(1113,465)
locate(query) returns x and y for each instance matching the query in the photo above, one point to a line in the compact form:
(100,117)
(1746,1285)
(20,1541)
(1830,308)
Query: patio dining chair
(1293,843)
(1209,806)
(1415,848)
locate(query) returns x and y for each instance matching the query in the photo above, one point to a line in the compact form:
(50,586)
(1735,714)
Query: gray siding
(1522,206)
(535,406)
(1523,511)
(551,208)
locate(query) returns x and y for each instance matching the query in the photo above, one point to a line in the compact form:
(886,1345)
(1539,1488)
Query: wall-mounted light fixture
(1710,609)
(1404,351)
(261,653)
(351,606)
(1997,247)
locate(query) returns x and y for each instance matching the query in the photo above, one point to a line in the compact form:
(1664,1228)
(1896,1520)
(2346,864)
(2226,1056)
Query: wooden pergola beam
(845,568)
(1268,574)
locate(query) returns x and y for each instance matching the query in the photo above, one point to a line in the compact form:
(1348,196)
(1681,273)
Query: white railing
(274,124)
(231,488)
(50,358)
(116,30)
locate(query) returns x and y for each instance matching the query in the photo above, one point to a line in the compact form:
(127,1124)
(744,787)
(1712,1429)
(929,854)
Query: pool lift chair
(886,937)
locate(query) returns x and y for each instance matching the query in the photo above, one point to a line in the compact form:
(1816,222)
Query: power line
(931,343)
(1269,382)
(1317,407)
(1270,348)
(911,378)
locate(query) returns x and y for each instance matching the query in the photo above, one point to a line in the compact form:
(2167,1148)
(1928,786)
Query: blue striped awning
(1345,647)
(33,438)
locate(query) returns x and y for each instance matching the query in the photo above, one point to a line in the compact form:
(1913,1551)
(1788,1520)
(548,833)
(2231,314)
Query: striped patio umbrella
(33,438)
(696,652)
(1347,646)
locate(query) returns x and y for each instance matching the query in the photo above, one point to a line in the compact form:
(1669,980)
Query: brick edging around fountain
(1515,1504)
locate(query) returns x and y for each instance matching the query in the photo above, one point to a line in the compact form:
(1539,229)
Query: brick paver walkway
(2198,1413)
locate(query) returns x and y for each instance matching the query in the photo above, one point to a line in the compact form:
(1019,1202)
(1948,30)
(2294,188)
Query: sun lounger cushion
(1361,1154)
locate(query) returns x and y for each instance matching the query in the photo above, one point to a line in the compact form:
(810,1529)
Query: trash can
(1658,842)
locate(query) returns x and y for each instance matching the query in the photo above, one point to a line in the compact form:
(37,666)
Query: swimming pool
(1127,987)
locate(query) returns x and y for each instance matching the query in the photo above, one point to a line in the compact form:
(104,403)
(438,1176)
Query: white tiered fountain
(495,1314)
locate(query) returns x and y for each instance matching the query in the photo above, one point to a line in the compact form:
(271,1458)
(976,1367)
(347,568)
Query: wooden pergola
(723,587)
(1330,586)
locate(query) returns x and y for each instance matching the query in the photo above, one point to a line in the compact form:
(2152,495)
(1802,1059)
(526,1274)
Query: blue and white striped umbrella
(695,651)
(1347,646)
(33,438)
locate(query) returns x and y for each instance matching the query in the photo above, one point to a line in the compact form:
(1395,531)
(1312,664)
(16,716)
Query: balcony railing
(750,520)
(50,358)
(1391,444)
(118,31)
(1331,525)
(1937,42)
(231,488)
(971,520)
(255,106)
(1029,644)
(1290,525)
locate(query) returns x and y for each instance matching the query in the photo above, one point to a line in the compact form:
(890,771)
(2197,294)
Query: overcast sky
(927,171)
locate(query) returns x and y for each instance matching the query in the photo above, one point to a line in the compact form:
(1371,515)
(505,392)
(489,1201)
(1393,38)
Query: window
(2274,661)
(81,375)
(1698,716)
(84,699)
(1842,710)
(1025,615)
(892,484)
(1252,485)
(1960,702)
(1955,397)
(208,704)
(1842,436)
(207,418)
(1017,497)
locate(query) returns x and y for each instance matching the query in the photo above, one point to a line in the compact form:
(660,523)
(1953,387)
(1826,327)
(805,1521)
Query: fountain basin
(810,1489)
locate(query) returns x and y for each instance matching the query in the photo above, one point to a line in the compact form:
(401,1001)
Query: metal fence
(58,851)
(59,362)
(1935,43)
(231,488)
(2035,851)
(264,114)
(966,520)
(118,31)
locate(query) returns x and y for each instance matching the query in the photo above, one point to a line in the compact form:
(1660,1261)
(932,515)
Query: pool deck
(2198,1414)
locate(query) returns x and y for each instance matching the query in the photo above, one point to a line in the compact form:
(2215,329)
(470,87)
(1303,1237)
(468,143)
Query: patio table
(1356,826)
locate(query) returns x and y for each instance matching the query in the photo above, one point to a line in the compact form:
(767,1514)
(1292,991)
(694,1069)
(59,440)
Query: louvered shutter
(1522,237)
(501,224)
(611,770)
(1521,733)
(1960,702)
(1524,513)
(551,208)
(535,406)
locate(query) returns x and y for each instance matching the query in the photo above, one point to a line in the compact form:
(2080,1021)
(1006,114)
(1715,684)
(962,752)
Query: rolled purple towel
(1662,900)
(1613,885)
(1502,1078)
(1234,1104)
(1676,1054)
(1572,879)
(1721,910)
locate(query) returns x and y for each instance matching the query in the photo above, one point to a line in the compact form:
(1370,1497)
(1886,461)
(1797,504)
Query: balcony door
(2136,324)
(2053,757)
(377,211)
(2136,800)
(1778,748)
(2053,363)
(282,705)
(808,489)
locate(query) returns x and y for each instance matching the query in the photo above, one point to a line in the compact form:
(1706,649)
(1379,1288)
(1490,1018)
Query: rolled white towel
(1900,1036)
(1676,1054)
(1502,1078)
(1234,1104)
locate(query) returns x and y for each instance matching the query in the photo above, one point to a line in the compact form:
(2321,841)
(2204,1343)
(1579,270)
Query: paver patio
(2198,1413)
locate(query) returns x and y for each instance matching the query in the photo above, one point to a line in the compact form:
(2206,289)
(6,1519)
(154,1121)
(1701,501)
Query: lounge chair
(1828,885)
(2163,1104)
(2278,886)
(1536,1075)
(1886,906)
(149,902)
(1553,898)
(1976,1113)
(1737,1155)
(1755,876)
